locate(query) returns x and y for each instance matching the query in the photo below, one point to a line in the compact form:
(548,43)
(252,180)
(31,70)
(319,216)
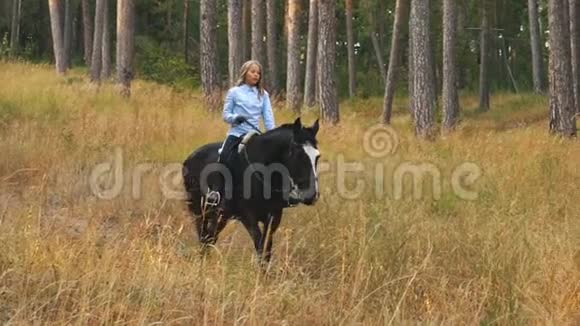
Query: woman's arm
(228,114)
(267,113)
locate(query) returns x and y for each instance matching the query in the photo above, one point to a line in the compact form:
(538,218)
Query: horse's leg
(270,226)
(251,225)
(207,227)
(222,221)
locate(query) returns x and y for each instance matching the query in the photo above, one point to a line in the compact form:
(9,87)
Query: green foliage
(160,24)
(159,64)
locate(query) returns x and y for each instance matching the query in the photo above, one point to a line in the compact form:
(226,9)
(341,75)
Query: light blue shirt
(244,101)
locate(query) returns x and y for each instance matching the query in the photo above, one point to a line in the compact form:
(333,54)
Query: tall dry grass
(67,257)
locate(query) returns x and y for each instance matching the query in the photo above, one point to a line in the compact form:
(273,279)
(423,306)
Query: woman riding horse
(244,105)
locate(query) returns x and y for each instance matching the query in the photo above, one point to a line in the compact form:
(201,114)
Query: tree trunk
(185,32)
(401,11)
(327,62)
(68,29)
(535,42)
(575,48)
(78,46)
(258,29)
(311,49)
(379,56)
(450,96)
(246,29)
(484,61)
(293,96)
(235,42)
(96,59)
(87,32)
(410,73)
(423,83)
(272,45)
(562,108)
(350,49)
(15,28)
(381,24)
(125,44)
(169,17)
(57,36)
(507,65)
(106,55)
(208,51)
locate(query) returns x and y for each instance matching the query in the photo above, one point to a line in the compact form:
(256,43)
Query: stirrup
(213,198)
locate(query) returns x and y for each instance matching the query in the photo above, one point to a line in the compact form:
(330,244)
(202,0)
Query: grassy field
(509,256)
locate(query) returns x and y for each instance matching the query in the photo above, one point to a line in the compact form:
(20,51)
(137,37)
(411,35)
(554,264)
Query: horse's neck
(267,149)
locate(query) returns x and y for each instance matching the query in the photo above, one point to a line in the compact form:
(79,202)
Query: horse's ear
(297,125)
(315,127)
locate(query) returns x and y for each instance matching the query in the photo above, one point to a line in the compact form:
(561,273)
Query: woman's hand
(240,119)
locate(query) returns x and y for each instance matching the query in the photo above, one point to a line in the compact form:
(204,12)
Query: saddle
(241,145)
(245,139)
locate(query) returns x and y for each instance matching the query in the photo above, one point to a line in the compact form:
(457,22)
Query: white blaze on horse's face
(313,154)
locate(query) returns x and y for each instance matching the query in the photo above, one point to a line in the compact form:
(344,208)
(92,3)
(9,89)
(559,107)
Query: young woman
(245,105)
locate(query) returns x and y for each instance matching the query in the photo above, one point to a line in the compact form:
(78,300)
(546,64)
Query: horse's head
(302,161)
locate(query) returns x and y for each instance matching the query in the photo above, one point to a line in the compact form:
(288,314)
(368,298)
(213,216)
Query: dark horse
(268,167)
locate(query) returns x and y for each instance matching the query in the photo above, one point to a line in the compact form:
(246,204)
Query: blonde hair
(244,71)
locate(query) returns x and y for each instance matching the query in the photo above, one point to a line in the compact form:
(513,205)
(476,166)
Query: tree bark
(381,24)
(169,17)
(246,29)
(311,49)
(562,107)
(293,96)
(484,61)
(535,42)
(87,32)
(328,97)
(208,50)
(575,48)
(185,32)
(15,28)
(106,55)
(96,59)
(258,29)
(423,83)
(379,56)
(57,36)
(125,44)
(78,46)
(401,11)
(235,42)
(68,29)
(272,44)
(450,96)
(350,49)
(410,73)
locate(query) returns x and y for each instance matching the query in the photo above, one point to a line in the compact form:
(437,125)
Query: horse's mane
(287,130)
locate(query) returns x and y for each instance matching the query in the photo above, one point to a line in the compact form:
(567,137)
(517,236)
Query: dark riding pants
(228,148)
(216,181)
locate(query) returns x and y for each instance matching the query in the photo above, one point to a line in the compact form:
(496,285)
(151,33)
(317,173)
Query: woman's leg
(227,148)
(217,182)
